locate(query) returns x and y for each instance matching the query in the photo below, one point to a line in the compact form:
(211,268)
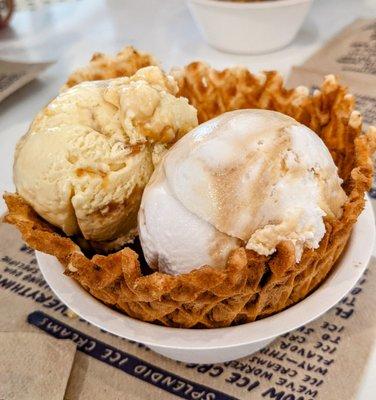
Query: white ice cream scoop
(248,178)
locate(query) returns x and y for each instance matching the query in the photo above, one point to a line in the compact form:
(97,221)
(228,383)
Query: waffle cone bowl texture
(251,286)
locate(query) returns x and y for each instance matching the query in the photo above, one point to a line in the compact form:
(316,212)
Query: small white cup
(249,28)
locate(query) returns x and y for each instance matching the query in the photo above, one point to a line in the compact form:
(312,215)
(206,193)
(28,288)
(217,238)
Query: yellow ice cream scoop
(88,155)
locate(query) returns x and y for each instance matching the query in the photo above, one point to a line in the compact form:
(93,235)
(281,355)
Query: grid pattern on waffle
(251,286)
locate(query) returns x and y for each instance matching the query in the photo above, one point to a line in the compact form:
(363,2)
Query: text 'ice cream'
(88,155)
(248,178)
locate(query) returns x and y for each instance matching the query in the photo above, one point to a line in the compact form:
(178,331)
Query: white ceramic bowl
(249,28)
(223,344)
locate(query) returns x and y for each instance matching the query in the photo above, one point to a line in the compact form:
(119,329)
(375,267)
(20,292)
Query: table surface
(69,32)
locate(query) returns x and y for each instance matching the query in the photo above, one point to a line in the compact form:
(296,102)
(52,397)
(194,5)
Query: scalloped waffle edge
(251,286)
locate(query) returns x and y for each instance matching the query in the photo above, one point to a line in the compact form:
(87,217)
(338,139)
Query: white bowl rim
(253,5)
(347,272)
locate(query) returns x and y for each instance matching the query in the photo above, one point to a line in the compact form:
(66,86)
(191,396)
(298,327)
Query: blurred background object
(6,10)
(251,27)
(22,5)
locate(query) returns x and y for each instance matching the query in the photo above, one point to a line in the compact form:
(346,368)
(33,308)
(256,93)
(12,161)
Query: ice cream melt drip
(248,178)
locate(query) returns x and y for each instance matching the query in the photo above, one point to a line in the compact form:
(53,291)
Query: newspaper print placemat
(351,55)
(14,75)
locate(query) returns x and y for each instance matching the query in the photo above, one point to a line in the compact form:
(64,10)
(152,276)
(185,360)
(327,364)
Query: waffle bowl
(251,286)
(101,66)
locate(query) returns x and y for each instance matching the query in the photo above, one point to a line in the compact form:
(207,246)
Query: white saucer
(222,344)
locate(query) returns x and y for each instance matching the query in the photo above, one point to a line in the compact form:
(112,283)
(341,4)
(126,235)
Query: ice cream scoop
(88,155)
(248,178)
